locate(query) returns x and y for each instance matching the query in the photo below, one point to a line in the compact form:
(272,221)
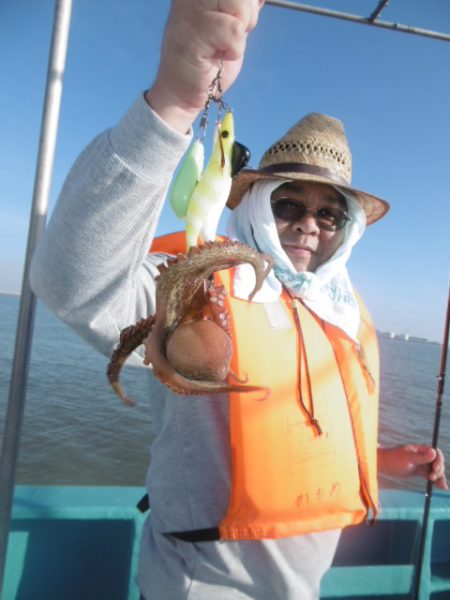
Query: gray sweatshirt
(93,270)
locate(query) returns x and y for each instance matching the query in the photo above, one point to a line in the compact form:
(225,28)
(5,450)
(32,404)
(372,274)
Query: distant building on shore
(414,338)
(386,334)
(403,337)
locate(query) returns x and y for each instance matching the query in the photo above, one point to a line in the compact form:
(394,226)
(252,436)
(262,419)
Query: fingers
(246,12)
(414,459)
(223,23)
(437,472)
(225,28)
(420,454)
(430,463)
(224,36)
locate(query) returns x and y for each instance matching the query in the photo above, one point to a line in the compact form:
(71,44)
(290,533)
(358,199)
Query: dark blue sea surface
(77,431)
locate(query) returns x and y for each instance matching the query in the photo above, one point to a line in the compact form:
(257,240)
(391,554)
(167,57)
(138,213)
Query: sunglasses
(329,218)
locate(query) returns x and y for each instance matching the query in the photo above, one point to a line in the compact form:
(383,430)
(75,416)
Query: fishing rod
(429,489)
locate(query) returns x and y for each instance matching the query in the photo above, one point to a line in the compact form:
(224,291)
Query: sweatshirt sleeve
(91,267)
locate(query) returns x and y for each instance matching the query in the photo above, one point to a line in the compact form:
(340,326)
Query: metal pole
(358,19)
(434,443)
(41,192)
(379,8)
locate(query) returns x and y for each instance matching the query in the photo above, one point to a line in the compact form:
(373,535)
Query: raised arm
(91,267)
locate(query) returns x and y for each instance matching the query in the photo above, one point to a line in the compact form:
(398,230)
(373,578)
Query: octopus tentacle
(185,274)
(190,308)
(130,338)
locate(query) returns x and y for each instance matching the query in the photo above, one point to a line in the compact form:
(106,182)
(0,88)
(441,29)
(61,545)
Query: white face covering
(328,291)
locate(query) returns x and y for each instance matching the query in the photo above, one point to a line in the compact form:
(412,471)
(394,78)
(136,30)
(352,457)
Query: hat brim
(374,207)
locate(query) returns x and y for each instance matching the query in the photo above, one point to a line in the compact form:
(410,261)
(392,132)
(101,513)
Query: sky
(391,90)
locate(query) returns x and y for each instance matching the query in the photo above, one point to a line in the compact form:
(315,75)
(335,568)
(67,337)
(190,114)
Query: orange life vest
(304,458)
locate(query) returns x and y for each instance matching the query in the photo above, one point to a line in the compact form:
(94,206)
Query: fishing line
(215,95)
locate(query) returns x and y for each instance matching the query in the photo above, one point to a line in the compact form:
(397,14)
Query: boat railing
(76,542)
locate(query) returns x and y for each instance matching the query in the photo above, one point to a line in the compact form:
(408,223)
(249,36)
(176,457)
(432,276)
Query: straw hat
(315,149)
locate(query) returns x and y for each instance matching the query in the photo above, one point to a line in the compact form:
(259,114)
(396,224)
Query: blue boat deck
(83,542)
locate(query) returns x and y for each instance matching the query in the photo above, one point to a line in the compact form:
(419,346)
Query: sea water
(76,430)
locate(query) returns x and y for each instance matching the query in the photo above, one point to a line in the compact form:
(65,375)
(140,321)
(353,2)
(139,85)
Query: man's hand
(198,35)
(414,459)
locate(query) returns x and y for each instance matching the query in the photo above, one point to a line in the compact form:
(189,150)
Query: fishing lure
(187,178)
(199,196)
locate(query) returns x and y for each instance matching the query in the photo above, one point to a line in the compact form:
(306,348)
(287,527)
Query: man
(93,269)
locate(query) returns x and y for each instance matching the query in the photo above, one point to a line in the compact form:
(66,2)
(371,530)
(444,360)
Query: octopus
(188,340)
